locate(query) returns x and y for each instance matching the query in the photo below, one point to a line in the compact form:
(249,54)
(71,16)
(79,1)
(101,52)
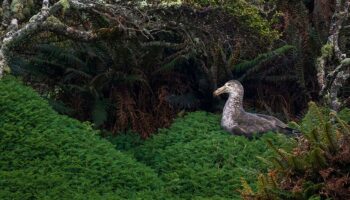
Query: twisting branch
(76,34)
(39,23)
(70,32)
(14,36)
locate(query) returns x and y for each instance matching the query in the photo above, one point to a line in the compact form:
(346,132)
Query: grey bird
(236,121)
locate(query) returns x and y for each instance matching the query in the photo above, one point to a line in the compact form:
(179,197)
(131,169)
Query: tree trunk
(333,66)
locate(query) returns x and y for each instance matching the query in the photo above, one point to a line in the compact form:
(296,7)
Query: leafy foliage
(317,168)
(196,159)
(48,156)
(247,14)
(125,141)
(345,115)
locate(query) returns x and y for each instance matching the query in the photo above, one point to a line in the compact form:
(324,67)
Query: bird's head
(233,88)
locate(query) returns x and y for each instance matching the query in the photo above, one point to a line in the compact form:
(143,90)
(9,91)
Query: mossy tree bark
(333,66)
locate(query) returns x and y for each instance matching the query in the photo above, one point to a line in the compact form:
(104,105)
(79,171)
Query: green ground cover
(49,156)
(45,155)
(196,159)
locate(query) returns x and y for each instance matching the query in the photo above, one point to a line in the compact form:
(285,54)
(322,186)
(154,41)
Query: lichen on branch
(332,66)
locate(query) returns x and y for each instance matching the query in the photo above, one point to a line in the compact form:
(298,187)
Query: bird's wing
(253,123)
(274,120)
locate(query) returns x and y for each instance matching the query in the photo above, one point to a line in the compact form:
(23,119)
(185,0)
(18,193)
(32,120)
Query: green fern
(252,66)
(297,173)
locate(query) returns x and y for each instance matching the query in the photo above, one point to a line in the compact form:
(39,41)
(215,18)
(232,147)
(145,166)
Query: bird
(239,122)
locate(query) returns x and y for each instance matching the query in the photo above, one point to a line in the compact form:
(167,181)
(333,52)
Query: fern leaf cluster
(316,168)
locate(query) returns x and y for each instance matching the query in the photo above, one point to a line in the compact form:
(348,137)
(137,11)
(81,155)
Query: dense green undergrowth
(48,156)
(196,159)
(45,155)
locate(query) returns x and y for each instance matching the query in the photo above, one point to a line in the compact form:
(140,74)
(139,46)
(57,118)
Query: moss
(346,62)
(247,15)
(327,51)
(65,5)
(22,9)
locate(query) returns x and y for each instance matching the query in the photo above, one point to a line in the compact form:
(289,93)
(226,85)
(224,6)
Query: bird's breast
(228,121)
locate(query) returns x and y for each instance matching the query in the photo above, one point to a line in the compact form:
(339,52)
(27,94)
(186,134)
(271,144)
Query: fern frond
(74,73)
(345,127)
(254,65)
(176,62)
(330,137)
(317,158)
(280,152)
(246,190)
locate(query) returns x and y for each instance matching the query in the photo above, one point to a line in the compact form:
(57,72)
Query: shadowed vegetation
(139,80)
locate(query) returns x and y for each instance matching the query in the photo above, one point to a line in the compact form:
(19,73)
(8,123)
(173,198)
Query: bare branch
(70,32)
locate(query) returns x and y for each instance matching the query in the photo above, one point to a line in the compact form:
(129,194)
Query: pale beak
(219,91)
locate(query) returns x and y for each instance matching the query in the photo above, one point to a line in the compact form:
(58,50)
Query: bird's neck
(233,106)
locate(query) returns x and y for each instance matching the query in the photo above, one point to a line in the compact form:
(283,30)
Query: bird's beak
(219,91)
